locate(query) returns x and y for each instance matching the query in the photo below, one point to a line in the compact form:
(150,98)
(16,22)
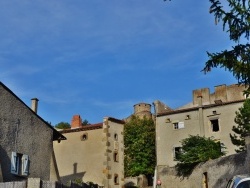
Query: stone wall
(214,173)
(23,132)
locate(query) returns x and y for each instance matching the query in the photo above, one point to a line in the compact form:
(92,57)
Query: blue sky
(99,58)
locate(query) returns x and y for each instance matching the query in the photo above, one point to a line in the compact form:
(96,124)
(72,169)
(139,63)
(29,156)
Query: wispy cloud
(90,55)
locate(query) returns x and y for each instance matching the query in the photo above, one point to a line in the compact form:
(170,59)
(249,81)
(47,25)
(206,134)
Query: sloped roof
(91,126)
(56,135)
(179,110)
(83,128)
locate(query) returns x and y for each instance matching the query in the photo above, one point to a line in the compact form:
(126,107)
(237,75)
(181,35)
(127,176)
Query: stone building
(92,153)
(209,115)
(24,138)
(141,110)
(211,174)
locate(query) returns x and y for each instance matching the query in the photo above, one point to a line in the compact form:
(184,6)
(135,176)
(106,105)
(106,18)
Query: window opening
(188,117)
(19,164)
(175,125)
(116,136)
(177,152)
(116,156)
(116,179)
(84,137)
(178,125)
(215,125)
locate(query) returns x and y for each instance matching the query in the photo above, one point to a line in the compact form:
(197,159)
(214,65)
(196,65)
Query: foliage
(235,18)
(79,183)
(76,181)
(139,141)
(197,149)
(62,125)
(85,122)
(242,120)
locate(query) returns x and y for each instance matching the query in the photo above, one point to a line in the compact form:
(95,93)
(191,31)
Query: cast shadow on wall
(74,176)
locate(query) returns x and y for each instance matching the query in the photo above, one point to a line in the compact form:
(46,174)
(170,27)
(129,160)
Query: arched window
(84,137)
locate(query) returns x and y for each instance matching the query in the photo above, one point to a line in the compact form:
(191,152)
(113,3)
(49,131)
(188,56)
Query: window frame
(178,125)
(19,164)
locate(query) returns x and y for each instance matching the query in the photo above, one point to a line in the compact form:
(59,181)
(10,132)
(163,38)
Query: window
(19,164)
(215,125)
(177,151)
(116,136)
(84,137)
(178,125)
(116,179)
(116,156)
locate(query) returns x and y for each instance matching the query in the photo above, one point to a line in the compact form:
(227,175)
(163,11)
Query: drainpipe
(155,172)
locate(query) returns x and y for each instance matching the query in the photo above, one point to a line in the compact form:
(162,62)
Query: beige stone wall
(196,120)
(225,115)
(167,137)
(115,144)
(83,159)
(23,132)
(92,159)
(198,124)
(215,173)
(211,174)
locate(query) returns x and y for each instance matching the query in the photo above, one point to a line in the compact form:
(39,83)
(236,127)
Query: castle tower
(142,109)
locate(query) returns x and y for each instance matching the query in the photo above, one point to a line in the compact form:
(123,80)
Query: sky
(99,58)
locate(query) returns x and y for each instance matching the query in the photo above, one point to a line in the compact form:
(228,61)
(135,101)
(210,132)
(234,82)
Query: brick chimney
(34,104)
(76,122)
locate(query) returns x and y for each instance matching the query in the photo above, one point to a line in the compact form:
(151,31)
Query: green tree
(62,125)
(242,119)
(197,149)
(235,17)
(85,122)
(139,141)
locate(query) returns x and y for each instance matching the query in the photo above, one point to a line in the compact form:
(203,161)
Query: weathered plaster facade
(92,153)
(26,133)
(209,115)
(212,174)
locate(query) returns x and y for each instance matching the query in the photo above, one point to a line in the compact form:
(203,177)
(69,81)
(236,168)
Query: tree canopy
(235,17)
(197,149)
(62,125)
(139,141)
(85,122)
(242,119)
